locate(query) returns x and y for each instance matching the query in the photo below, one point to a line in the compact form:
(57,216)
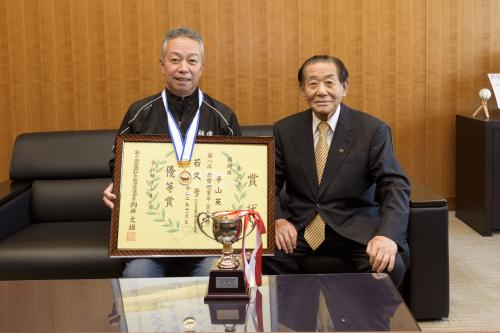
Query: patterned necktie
(315,230)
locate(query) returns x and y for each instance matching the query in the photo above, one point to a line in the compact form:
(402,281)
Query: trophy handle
(204,220)
(248,233)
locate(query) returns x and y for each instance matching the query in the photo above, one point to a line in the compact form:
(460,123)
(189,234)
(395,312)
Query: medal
(184,175)
(183,148)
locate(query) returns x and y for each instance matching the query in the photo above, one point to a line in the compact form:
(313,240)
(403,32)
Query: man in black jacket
(179,107)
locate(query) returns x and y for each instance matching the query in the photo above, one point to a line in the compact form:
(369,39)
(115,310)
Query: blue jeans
(185,266)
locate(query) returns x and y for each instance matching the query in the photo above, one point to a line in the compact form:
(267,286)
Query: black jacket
(148,116)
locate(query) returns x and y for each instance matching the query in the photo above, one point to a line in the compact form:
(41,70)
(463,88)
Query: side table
(478,172)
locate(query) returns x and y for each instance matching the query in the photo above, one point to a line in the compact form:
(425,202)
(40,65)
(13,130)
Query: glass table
(330,302)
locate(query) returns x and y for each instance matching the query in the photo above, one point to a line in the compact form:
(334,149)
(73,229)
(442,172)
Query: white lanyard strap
(183,148)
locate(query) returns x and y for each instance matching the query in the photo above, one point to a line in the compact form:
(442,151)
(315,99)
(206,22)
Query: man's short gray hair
(182,32)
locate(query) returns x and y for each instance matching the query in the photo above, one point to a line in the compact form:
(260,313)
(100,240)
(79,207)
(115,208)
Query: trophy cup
(227,279)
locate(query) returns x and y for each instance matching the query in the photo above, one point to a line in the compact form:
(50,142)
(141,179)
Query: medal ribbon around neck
(183,147)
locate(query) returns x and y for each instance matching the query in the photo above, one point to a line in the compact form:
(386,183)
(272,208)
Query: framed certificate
(159,200)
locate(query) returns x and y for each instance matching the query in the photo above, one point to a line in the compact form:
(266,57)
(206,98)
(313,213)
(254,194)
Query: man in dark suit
(347,195)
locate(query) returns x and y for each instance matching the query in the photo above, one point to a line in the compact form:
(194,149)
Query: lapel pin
(341,150)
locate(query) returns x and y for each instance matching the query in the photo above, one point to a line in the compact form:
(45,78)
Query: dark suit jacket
(364,191)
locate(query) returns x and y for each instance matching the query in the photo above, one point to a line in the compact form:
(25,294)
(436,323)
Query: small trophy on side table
(485,95)
(227,278)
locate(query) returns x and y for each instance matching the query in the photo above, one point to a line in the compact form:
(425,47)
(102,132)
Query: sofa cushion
(69,200)
(58,250)
(62,155)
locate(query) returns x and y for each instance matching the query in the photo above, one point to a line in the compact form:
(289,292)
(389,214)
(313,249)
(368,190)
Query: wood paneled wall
(78,64)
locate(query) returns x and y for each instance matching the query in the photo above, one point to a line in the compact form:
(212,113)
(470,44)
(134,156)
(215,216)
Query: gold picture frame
(155,210)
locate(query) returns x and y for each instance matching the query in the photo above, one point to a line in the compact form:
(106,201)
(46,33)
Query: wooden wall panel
(19,80)
(441,92)
(48,62)
(415,64)
(408,92)
(100,110)
(6,131)
(382,43)
(251,60)
(282,49)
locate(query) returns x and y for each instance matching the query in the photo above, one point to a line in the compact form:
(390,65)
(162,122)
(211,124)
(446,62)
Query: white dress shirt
(332,121)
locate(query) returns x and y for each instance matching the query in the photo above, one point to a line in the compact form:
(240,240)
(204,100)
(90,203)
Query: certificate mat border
(229,140)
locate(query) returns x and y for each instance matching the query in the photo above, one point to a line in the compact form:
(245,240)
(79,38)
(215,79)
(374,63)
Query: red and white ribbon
(254,313)
(252,266)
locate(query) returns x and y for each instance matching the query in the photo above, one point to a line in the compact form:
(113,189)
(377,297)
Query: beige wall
(78,64)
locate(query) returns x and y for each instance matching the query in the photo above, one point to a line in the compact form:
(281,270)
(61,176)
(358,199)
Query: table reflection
(340,302)
(176,305)
(336,302)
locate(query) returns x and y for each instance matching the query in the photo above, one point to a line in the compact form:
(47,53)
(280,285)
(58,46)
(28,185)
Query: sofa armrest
(14,207)
(422,196)
(428,239)
(9,189)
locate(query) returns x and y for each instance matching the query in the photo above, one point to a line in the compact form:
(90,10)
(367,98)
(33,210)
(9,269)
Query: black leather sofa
(53,224)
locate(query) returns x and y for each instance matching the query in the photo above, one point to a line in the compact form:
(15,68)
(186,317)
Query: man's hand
(285,235)
(382,252)
(108,197)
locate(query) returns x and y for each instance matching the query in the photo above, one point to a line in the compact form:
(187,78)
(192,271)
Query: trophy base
(227,285)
